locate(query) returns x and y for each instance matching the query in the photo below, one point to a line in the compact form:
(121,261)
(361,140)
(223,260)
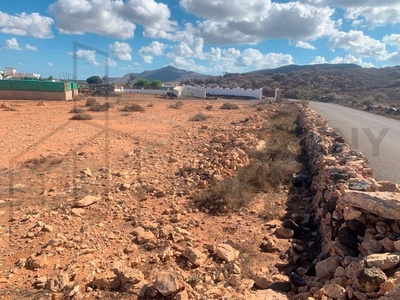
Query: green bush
(228,105)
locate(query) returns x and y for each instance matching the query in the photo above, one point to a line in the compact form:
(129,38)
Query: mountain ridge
(172,74)
(164,74)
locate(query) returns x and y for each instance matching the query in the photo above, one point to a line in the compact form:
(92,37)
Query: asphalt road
(377,137)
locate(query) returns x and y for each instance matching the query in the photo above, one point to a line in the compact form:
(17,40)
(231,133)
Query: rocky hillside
(352,86)
(166,74)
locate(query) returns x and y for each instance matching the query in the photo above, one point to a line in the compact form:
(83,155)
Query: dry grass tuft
(228,105)
(81,116)
(176,105)
(271,168)
(132,107)
(199,117)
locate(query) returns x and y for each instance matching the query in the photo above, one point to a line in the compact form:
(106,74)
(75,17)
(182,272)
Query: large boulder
(327,267)
(168,282)
(383,204)
(195,256)
(227,252)
(369,279)
(384,261)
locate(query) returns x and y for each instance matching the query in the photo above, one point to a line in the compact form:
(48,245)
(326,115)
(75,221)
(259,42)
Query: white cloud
(319,60)
(154,49)
(109,17)
(357,42)
(49,64)
(395,56)
(254,58)
(30,48)
(132,66)
(361,3)
(87,55)
(305,45)
(350,59)
(33,25)
(375,16)
(226,22)
(188,64)
(12,44)
(393,39)
(186,34)
(121,51)
(109,62)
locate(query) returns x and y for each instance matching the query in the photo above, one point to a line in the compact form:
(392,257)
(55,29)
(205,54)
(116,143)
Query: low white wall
(178,90)
(190,91)
(142,91)
(199,92)
(235,92)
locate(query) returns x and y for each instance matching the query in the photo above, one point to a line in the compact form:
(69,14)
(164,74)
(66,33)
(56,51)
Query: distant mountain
(166,74)
(290,68)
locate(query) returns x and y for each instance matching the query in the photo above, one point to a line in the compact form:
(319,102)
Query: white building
(10,71)
(189,91)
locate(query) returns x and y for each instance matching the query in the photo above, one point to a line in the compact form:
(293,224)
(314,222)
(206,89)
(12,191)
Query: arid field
(152,204)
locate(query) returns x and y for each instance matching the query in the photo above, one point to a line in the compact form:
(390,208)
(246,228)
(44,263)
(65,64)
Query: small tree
(105,78)
(143,82)
(156,83)
(131,80)
(50,78)
(94,80)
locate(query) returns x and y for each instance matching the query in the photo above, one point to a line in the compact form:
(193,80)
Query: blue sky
(207,36)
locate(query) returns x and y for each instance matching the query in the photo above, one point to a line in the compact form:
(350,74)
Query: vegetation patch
(10,109)
(132,107)
(199,117)
(76,110)
(228,105)
(176,105)
(101,107)
(270,169)
(91,102)
(81,116)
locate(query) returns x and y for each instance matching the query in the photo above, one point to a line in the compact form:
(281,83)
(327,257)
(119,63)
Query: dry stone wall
(359,220)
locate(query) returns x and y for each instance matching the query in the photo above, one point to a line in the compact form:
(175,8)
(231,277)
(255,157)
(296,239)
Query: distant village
(12,73)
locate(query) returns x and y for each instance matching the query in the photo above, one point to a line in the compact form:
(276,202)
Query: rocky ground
(101,209)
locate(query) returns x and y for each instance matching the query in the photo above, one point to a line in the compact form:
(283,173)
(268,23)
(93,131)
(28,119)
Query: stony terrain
(101,209)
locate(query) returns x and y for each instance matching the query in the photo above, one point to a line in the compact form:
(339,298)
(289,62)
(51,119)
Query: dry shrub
(271,168)
(10,109)
(76,110)
(100,107)
(81,116)
(90,102)
(132,107)
(228,105)
(199,117)
(176,105)
(228,195)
